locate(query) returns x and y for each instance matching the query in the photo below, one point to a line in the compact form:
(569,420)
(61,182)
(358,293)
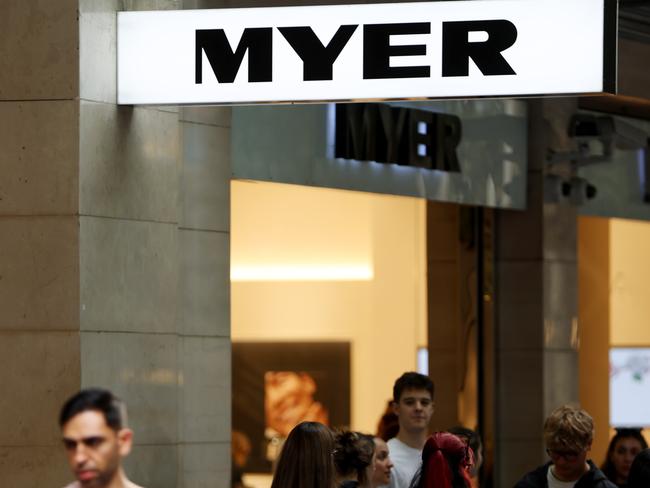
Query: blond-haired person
(568,434)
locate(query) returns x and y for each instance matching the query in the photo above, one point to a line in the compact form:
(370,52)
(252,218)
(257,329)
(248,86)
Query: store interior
(341,268)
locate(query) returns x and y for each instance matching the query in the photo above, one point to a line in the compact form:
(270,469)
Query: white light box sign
(391,51)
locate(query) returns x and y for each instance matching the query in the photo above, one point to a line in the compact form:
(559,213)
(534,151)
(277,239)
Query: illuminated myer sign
(395,51)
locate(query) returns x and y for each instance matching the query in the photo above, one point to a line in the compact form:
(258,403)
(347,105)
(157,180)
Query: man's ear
(125,441)
(395,407)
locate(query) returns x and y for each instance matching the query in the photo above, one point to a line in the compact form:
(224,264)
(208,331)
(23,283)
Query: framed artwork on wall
(277,385)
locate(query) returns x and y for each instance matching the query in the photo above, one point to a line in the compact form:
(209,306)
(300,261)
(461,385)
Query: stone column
(154,220)
(114,270)
(536,305)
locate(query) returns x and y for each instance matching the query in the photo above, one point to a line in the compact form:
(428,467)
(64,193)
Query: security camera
(607,129)
(596,136)
(575,190)
(578,190)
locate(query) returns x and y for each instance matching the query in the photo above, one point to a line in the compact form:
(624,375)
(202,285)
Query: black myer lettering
(396,135)
(377,51)
(317,59)
(457,49)
(225,62)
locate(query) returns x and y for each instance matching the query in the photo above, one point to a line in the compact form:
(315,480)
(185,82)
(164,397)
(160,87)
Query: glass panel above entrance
(470,152)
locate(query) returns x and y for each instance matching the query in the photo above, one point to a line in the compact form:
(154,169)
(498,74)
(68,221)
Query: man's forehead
(415,394)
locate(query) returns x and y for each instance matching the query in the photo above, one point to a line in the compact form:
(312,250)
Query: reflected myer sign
(397,135)
(387,51)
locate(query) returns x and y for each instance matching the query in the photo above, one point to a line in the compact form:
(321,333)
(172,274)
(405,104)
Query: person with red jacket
(446,460)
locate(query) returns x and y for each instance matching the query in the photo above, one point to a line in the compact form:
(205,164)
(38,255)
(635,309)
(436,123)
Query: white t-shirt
(553,482)
(406,462)
(128,484)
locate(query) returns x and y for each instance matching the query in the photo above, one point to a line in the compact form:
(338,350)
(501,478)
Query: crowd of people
(403,454)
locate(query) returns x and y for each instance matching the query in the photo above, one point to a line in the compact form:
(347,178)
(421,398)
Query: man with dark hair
(96,438)
(568,434)
(413,405)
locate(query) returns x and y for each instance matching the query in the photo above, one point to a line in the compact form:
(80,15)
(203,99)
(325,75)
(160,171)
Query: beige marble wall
(114,263)
(536,306)
(129,169)
(39,288)
(154,265)
(204,298)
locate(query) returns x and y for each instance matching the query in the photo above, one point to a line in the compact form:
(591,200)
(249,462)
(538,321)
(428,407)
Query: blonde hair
(569,428)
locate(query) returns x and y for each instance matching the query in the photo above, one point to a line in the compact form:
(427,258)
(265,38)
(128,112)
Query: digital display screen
(629,387)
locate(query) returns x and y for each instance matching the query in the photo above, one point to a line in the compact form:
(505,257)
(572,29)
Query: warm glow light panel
(388,51)
(302,272)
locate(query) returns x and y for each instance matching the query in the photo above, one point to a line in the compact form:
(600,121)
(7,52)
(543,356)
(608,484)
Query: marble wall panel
(205,391)
(204,283)
(519,303)
(129,162)
(515,458)
(40,370)
(39,157)
(561,232)
(205,465)
(153,465)
(28,466)
(561,305)
(39,50)
(98,50)
(206,177)
(39,287)
(520,325)
(129,275)
(217,116)
(521,234)
(520,396)
(142,369)
(560,379)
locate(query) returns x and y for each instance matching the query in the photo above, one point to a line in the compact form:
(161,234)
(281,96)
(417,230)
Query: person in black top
(623,448)
(353,456)
(568,434)
(640,471)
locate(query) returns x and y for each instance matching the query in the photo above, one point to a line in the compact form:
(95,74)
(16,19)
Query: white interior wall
(384,318)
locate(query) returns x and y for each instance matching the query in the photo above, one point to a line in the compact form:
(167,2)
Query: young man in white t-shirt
(568,434)
(413,405)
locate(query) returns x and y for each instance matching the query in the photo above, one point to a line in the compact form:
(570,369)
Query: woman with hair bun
(306,458)
(353,459)
(446,460)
